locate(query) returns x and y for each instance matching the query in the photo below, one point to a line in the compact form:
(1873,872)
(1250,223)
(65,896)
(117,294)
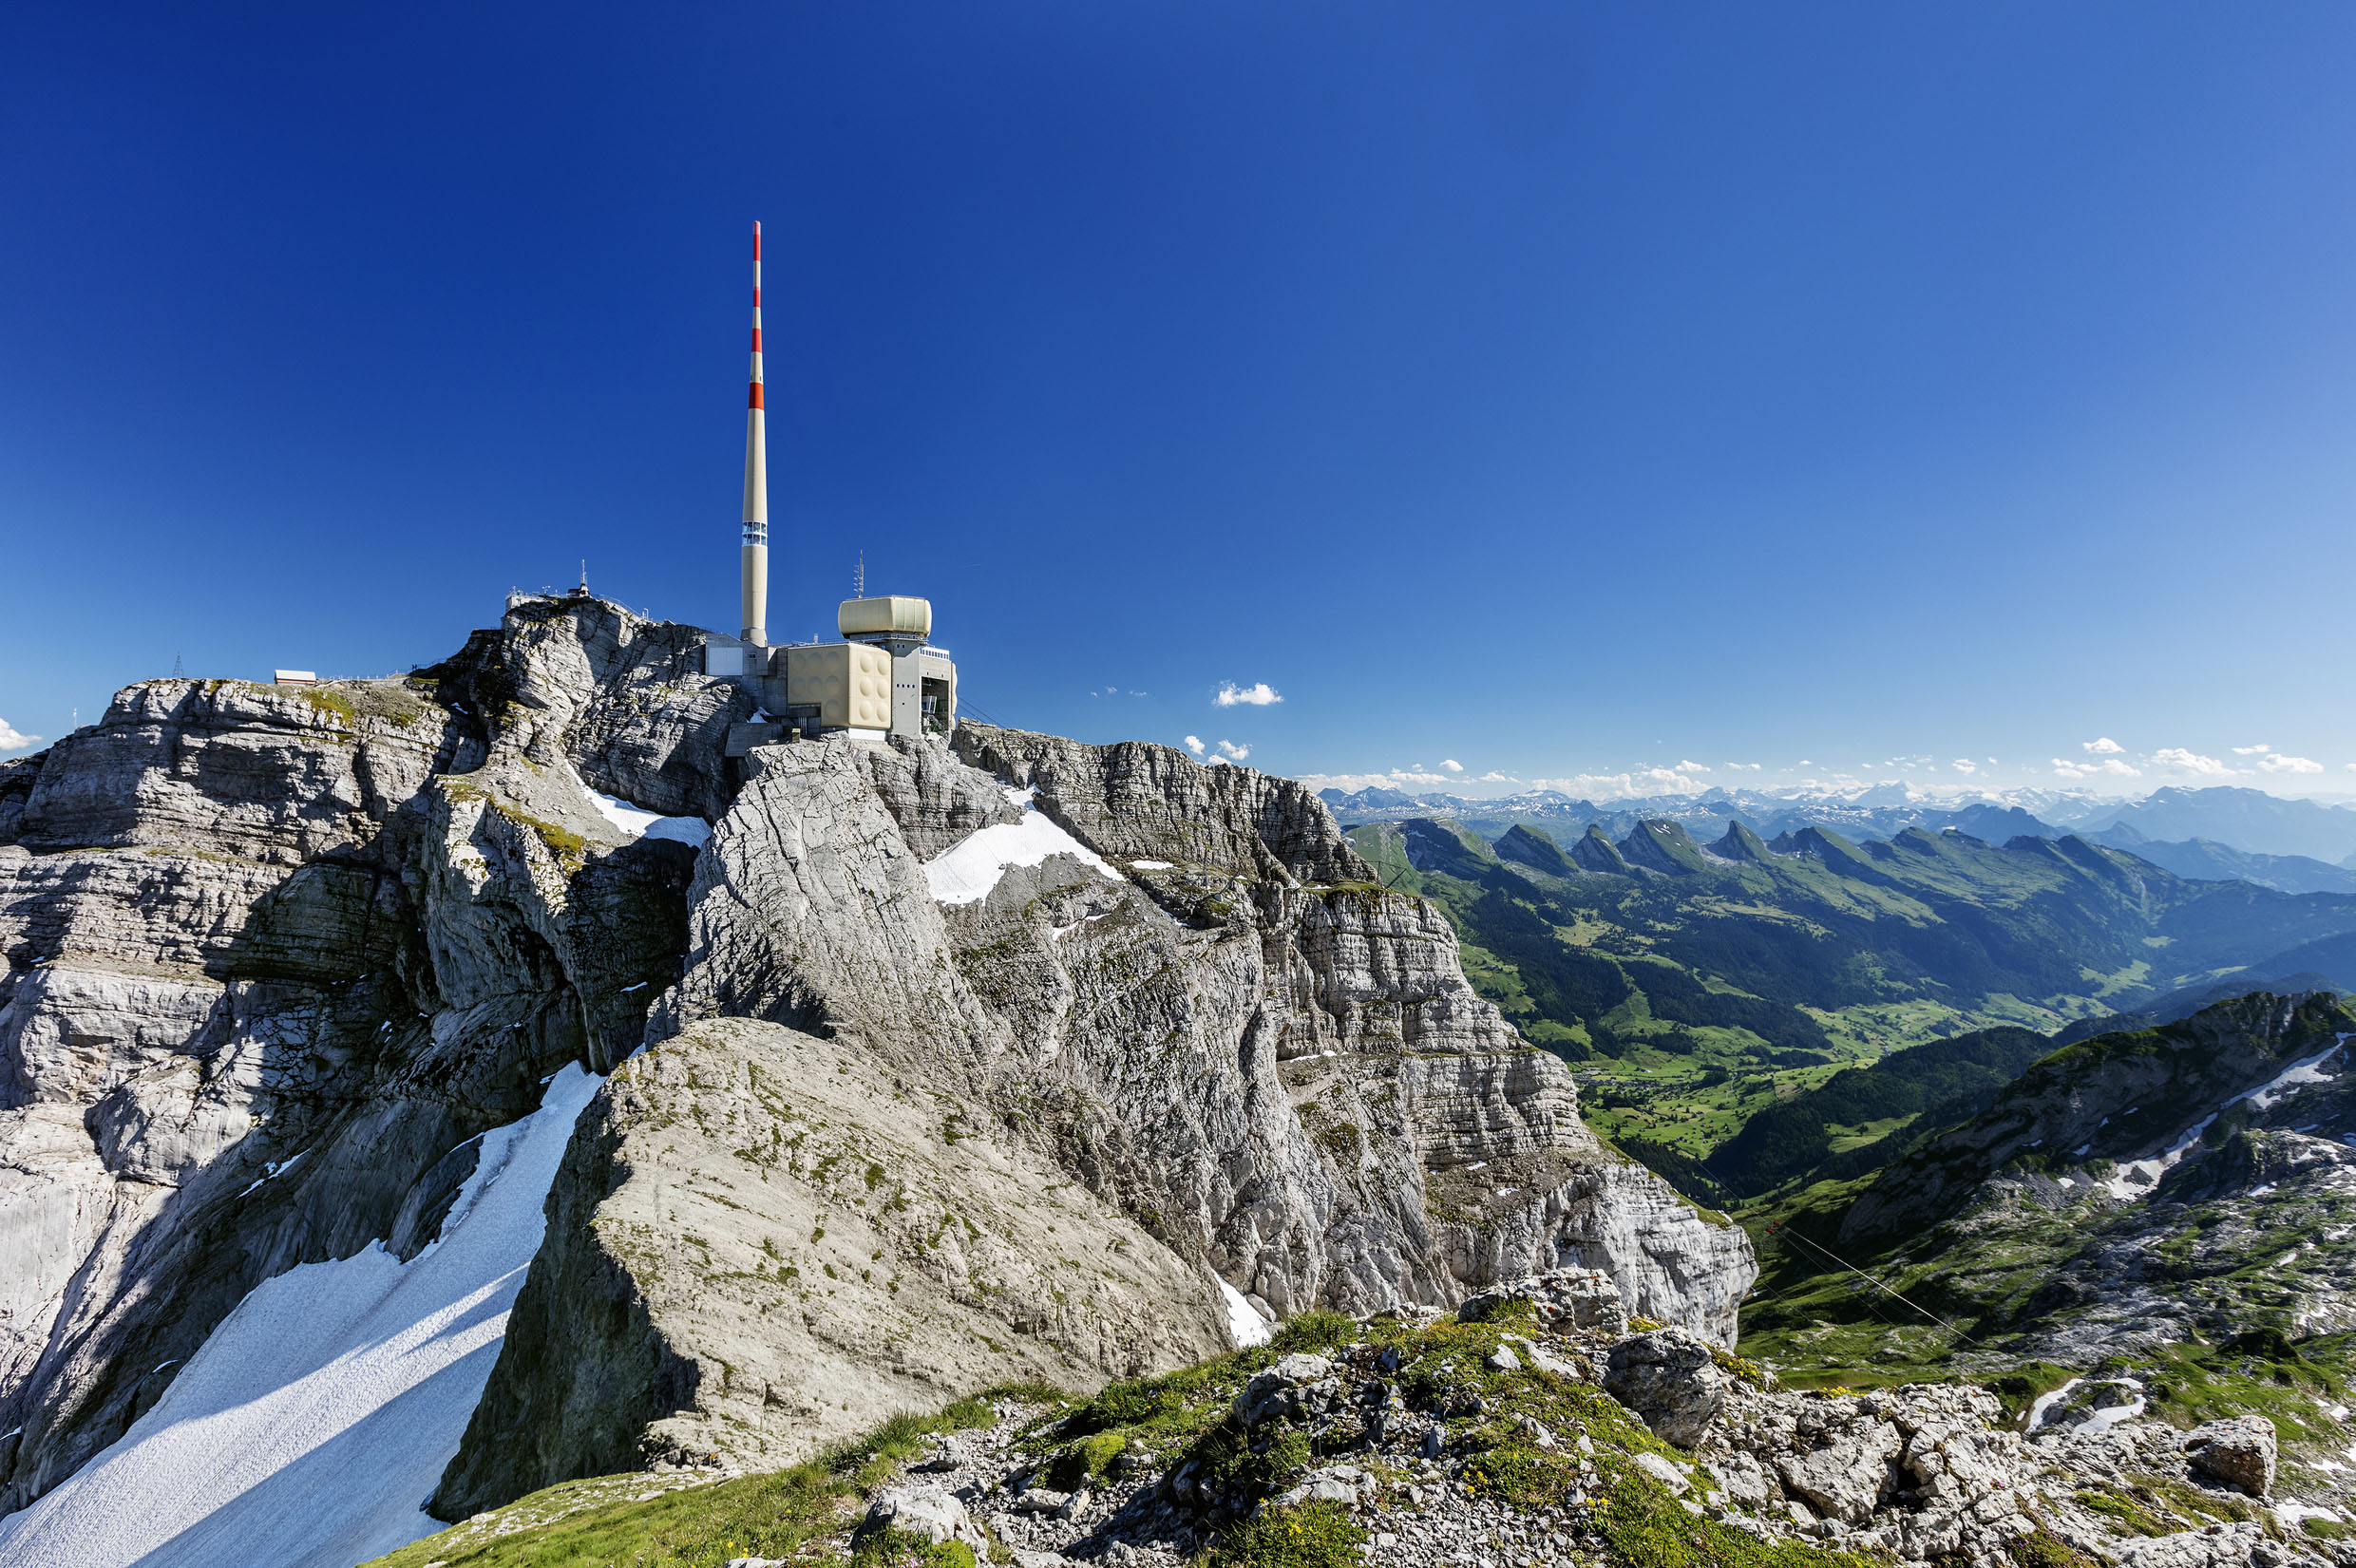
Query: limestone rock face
(763,1242)
(1136,801)
(623,698)
(810,909)
(1442,1152)
(276,957)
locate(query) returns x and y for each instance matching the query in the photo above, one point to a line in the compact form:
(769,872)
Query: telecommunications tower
(755,554)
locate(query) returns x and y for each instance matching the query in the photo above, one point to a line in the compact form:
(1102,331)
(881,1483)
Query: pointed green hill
(1663,847)
(1535,847)
(1596,852)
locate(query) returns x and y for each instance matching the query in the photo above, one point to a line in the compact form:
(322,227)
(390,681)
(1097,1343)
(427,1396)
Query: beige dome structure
(882,679)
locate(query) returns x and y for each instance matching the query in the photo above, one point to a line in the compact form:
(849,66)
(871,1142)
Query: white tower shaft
(755,551)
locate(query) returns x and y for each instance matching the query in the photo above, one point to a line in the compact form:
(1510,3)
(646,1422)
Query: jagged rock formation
(275,956)
(756,1211)
(1272,1066)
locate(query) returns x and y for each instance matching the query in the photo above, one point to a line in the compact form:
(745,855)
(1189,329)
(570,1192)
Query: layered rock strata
(276,956)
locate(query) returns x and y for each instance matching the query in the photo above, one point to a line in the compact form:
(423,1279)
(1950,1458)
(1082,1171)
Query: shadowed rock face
(777,1241)
(337,932)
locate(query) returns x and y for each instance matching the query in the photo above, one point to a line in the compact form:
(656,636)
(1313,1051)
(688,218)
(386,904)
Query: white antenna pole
(755,561)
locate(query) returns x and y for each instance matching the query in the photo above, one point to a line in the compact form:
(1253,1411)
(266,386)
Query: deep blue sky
(1556,390)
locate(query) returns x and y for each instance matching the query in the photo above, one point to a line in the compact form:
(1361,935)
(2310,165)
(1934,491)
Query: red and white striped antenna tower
(755,554)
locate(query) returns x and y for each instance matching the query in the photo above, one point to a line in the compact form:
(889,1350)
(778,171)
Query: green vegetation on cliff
(1711,997)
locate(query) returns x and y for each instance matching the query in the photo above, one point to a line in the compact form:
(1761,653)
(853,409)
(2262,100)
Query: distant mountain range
(2247,820)
(2220,834)
(1748,949)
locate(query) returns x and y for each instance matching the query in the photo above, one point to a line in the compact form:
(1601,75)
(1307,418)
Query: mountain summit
(857,1077)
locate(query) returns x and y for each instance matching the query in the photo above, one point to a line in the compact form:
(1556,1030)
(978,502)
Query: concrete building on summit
(884,678)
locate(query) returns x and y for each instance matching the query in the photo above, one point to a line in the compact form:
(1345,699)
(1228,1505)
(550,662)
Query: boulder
(1342,1484)
(1565,1298)
(925,1511)
(1671,1380)
(1849,1476)
(1664,1472)
(2240,1451)
(1282,1392)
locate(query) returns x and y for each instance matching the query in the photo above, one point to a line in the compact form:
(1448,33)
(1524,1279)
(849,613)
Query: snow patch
(2103,1420)
(646,824)
(1243,1319)
(2097,1421)
(966,872)
(313,1423)
(2046,1402)
(2288,1082)
(1149,865)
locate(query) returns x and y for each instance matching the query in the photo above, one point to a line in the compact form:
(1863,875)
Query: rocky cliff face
(275,955)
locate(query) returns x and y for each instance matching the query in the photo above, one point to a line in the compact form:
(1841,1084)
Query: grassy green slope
(1699,990)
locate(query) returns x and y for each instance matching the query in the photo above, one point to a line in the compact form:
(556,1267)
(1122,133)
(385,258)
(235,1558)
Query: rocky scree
(1411,1438)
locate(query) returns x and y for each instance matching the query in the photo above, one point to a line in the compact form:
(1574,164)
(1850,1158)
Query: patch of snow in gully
(2292,1079)
(966,873)
(313,1422)
(645,825)
(1243,1320)
(2046,1401)
(2097,1421)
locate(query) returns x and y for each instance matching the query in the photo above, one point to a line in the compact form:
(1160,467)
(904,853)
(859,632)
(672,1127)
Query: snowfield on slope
(646,824)
(313,1422)
(2141,1178)
(966,873)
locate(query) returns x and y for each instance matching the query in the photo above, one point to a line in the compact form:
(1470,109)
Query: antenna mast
(754,554)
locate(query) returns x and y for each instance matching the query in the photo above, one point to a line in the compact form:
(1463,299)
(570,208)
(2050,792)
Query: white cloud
(1230,751)
(1194,744)
(1259,694)
(2102,747)
(1493,777)
(2182,761)
(2277,763)
(2111,765)
(1216,762)
(11,741)
(1803,763)
(2252,751)
(1452,764)
(1743,768)
(1609,786)
(1398,778)
(1965,764)
(1691,768)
